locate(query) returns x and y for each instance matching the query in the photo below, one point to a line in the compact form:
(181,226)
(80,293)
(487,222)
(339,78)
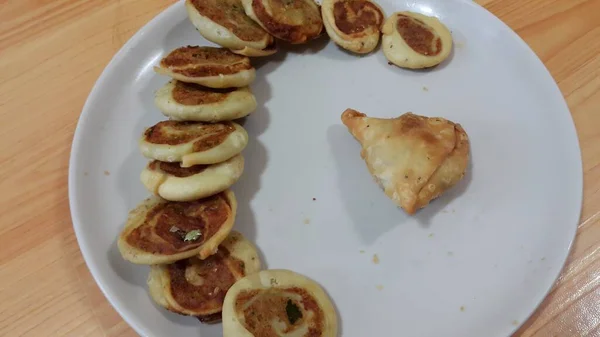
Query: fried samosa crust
(413,158)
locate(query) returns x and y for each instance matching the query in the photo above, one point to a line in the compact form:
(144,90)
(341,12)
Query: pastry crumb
(543,259)
(430,235)
(462,308)
(106,173)
(375,259)
(306,221)
(362,251)
(425,88)
(380,287)
(515,322)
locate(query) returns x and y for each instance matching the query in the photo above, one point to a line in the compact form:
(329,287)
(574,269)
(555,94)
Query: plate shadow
(372,213)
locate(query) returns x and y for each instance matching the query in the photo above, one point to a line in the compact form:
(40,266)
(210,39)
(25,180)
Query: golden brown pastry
(172,182)
(413,40)
(193,143)
(295,21)
(196,287)
(225,23)
(159,231)
(354,25)
(278,303)
(208,66)
(413,158)
(193,102)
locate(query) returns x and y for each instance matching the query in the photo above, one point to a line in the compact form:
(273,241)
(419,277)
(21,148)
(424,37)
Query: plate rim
(76,218)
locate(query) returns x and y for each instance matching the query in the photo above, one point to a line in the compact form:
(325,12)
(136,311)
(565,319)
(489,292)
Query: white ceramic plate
(476,262)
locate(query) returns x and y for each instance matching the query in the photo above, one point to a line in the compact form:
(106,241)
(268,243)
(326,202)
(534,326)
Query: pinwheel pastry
(354,25)
(172,182)
(192,102)
(208,66)
(413,158)
(278,303)
(413,40)
(225,23)
(193,143)
(159,231)
(296,21)
(195,287)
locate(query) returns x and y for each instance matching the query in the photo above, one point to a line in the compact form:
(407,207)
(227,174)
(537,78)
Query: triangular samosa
(413,158)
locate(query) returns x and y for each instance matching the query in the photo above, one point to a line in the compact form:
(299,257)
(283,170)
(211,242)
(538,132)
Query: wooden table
(52,52)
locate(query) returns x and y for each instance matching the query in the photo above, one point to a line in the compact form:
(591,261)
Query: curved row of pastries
(251,28)
(199,265)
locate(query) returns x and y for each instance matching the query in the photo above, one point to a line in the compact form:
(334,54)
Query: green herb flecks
(192,235)
(293,312)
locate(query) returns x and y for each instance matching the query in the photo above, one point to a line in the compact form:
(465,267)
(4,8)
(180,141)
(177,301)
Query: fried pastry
(278,303)
(413,158)
(159,231)
(172,182)
(195,287)
(225,23)
(208,66)
(413,40)
(294,21)
(192,102)
(193,143)
(354,25)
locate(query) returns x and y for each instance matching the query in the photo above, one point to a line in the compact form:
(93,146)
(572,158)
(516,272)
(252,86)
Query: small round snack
(225,23)
(159,231)
(413,40)
(192,102)
(354,25)
(295,21)
(172,182)
(208,66)
(195,287)
(193,143)
(278,303)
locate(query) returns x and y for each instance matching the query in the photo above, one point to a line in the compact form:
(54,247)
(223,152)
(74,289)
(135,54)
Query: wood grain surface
(52,52)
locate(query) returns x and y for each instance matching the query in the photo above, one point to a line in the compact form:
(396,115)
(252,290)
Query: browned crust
(180,132)
(353,17)
(418,35)
(196,61)
(291,33)
(195,94)
(210,280)
(231,15)
(156,235)
(259,315)
(175,169)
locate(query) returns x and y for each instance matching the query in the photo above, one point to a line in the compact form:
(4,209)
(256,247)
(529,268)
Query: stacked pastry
(199,266)
(250,27)
(184,232)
